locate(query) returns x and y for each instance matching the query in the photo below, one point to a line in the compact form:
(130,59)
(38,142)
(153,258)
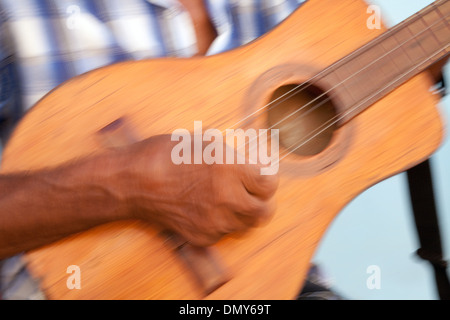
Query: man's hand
(200,202)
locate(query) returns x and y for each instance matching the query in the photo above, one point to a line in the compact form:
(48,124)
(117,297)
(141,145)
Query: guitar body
(130,260)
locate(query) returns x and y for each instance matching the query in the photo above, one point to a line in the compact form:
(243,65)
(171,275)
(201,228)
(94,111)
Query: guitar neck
(368,74)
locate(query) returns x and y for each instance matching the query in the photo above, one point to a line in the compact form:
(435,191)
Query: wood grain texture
(129,260)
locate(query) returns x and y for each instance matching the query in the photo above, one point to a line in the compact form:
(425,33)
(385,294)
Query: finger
(254,211)
(257,184)
(199,236)
(205,240)
(227,221)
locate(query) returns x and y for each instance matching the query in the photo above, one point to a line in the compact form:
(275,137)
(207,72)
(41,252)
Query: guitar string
(353,109)
(296,91)
(348,78)
(341,116)
(309,82)
(326,125)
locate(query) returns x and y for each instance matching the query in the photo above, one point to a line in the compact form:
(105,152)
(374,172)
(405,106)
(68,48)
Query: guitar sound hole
(305,118)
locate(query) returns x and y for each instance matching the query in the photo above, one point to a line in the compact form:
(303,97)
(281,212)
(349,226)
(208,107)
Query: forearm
(40,207)
(199,202)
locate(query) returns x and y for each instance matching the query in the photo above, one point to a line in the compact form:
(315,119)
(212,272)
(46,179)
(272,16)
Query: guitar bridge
(203,262)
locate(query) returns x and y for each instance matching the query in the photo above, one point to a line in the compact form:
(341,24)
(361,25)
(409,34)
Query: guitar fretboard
(385,63)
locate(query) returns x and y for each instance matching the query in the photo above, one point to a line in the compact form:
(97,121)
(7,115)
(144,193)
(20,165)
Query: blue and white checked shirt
(45,42)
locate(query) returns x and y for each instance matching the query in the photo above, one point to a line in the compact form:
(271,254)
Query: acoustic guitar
(353,106)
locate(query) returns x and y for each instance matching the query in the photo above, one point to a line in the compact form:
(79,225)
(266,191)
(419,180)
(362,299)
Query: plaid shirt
(45,42)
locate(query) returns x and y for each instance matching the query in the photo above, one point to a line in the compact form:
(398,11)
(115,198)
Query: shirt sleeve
(10,102)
